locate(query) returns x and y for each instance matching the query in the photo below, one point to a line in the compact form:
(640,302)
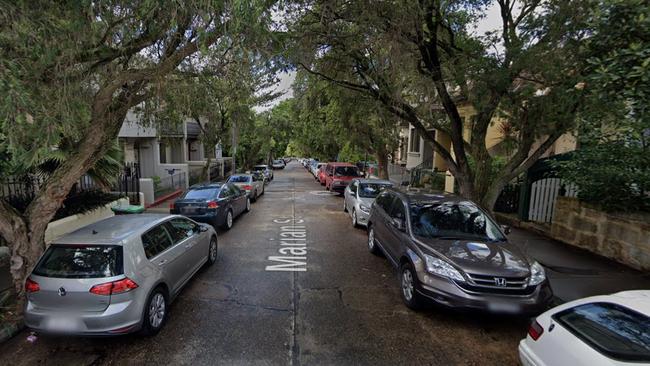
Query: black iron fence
(128,183)
(508,200)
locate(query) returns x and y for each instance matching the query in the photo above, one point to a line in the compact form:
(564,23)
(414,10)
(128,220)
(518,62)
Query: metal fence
(128,183)
(169,184)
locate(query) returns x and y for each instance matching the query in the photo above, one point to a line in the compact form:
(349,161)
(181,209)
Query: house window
(414,141)
(163,153)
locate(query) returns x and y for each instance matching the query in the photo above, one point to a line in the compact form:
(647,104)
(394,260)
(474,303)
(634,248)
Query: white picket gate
(543,194)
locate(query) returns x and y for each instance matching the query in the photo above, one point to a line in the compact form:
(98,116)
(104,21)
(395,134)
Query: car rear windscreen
(613,330)
(81,261)
(239,179)
(346,171)
(259,168)
(201,194)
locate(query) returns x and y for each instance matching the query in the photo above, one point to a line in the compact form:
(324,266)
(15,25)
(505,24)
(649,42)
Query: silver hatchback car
(359,196)
(116,276)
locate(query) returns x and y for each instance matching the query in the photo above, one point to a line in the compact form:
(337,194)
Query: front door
(170,257)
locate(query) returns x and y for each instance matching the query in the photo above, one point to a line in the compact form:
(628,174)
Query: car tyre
(227,224)
(372,243)
(155,314)
(212,251)
(409,284)
(355,222)
(248,205)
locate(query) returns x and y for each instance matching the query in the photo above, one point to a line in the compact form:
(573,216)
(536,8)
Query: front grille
(495,285)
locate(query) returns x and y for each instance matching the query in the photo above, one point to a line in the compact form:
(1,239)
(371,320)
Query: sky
(491,21)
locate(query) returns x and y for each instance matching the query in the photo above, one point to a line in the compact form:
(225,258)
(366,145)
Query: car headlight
(537,274)
(364,208)
(439,267)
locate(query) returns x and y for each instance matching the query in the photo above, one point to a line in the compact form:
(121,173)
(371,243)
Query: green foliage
(77,203)
(614,176)
(612,165)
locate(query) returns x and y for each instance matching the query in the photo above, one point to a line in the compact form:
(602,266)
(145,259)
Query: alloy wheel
(157,310)
(248,205)
(354,218)
(407,284)
(371,239)
(213,250)
(229,220)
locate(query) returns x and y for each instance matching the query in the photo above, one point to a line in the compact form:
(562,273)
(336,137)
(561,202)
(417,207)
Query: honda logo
(62,291)
(500,281)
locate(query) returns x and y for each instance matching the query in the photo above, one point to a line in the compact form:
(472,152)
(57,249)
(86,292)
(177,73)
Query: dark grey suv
(450,251)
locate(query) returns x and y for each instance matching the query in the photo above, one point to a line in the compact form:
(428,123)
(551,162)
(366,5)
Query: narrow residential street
(344,308)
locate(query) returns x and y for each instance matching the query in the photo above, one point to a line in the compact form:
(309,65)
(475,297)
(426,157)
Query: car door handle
(162,262)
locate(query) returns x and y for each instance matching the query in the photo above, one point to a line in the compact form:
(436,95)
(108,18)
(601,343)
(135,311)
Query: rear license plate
(189,210)
(63,324)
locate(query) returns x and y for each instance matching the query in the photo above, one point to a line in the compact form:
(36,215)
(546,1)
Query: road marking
(293,246)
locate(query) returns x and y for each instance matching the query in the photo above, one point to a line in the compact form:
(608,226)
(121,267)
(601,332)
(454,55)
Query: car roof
(216,185)
(376,181)
(260,166)
(243,175)
(343,164)
(113,229)
(416,196)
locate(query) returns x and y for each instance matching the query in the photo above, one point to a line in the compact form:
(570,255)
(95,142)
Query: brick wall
(622,237)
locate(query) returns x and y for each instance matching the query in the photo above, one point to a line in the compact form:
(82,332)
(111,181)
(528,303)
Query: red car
(320,175)
(339,175)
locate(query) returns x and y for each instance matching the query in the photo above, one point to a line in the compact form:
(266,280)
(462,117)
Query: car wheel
(255,196)
(355,223)
(408,286)
(248,205)
(262,190)
(155,313)
(372,244)
(212,251)
(228,223)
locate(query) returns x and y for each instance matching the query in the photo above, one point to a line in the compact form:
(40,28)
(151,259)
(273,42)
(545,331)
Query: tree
(70,72)
(330,120)
(423,62)
(612,166)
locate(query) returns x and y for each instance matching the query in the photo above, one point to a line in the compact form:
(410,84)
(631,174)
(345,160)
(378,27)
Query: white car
(599,330)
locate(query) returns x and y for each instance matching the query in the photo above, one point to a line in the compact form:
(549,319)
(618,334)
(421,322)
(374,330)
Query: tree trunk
(382,163)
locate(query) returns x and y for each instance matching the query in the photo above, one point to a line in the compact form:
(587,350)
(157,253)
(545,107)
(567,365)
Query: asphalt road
(343,309)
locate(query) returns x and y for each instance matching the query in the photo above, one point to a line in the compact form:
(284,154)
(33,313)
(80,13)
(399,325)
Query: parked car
(339,175)
(253,184)
(278,164)
(449,251)
(599,330)
(313,167)
(260,176)
(359,196)
(217,204)
(316,170)
(116,276)
(320,174)
(264,169)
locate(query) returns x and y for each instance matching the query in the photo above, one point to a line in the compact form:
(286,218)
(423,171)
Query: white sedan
(598,330)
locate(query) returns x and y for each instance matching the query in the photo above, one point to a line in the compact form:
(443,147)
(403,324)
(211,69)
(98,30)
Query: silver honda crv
(117,275)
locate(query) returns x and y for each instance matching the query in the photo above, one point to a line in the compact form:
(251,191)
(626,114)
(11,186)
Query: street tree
(331,120)
(71,71)
(424,62)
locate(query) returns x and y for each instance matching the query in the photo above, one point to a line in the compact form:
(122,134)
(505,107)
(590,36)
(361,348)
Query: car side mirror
(506,229)
(399,224)
(203,228)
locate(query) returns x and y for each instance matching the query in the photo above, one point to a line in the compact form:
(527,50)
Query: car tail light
(213,204)
(535,330)
(248,188)
(171,205)
(31,286)
(115,287)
